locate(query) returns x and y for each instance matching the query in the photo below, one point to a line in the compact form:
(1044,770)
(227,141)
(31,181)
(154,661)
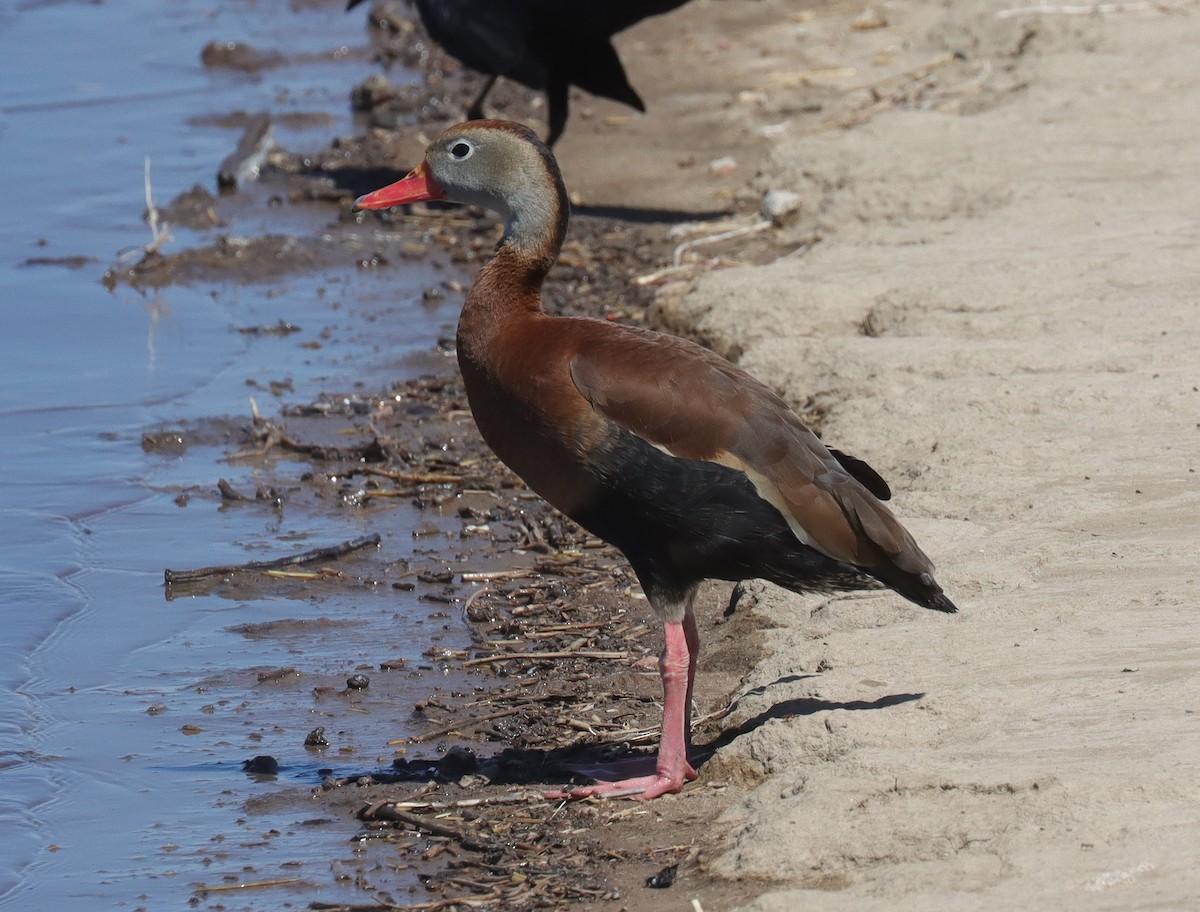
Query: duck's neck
(507,291)
(534,229)
(510,283)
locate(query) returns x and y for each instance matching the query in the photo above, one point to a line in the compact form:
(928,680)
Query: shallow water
(104,804)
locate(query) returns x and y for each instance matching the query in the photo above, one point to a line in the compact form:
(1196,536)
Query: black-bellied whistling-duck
(547,45)
(688,465)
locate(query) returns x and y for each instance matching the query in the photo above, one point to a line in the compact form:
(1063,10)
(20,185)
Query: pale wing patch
(831,513)
(821,503)
(769,491)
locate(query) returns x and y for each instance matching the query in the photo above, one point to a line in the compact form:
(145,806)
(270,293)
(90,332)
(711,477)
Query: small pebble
(723,166)
(316,738)
(263,764)
(870,18)
(458,762)
(779,205)
(663,879)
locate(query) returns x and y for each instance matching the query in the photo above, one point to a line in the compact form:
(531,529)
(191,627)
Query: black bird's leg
(557,95)
(475,112)
(739,589)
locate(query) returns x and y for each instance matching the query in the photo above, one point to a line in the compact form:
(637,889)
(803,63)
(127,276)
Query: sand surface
(991,292)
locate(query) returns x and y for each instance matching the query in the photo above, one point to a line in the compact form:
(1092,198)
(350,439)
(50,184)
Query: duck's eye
(461,150)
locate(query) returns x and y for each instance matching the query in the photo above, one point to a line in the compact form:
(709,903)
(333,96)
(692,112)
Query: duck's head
(496,164)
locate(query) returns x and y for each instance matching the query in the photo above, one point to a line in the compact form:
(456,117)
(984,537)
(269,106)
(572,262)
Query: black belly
(680,521)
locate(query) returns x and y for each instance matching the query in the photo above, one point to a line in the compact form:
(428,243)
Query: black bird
(547,45)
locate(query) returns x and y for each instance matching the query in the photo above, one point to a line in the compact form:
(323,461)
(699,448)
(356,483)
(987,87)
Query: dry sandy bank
(1002,315)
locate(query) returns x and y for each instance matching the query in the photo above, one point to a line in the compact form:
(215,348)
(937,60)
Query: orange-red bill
(416,186)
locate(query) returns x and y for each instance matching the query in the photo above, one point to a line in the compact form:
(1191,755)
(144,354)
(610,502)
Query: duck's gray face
(481,167)
(495,164)
(477,164)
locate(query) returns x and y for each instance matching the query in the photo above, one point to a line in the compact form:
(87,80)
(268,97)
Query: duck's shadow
(646,215)
(536,767)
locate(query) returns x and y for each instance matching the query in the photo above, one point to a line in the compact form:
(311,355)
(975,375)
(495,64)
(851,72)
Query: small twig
(189,576)
(159,235)
(477,594)
(905,77)
(545,633)
(715,238)
(590,727)
(274,435)
(485,575)
(323,573)
(245,163)
(543,656)
(651,278)
(249,885)
(468,723)
(808,77)
(227,491)
(414,477)
(433,906)
(627,735)
(528,698)
(515,798)
(1079,9)
(417,822)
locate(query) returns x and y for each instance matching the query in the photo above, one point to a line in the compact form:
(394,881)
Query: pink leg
(677,665)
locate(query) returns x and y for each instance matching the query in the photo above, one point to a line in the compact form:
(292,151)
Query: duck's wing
(692,404)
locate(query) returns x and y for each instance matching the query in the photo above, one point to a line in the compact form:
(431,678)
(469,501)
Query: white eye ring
(461,150)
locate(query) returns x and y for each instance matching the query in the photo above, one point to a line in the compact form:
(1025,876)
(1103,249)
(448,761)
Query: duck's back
(678,520)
